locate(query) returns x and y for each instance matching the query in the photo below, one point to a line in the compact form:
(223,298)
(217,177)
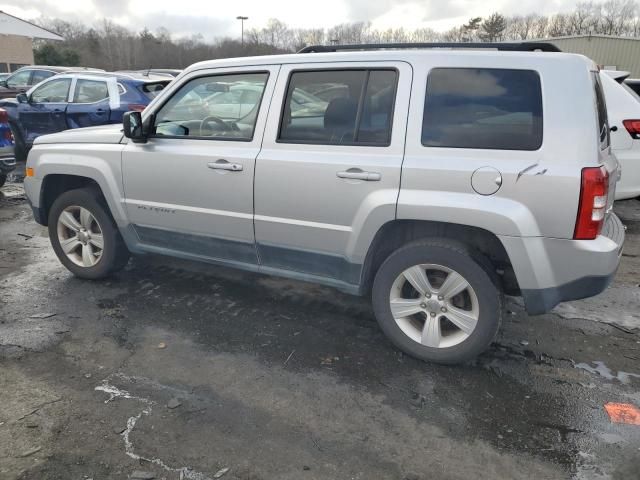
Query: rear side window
(151,90)
(483,108)
(601,107)
(90,91)
(339,107)
(40,75)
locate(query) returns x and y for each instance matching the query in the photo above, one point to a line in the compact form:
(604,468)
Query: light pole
(242,19)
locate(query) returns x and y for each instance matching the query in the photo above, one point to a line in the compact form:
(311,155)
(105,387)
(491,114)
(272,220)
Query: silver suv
(434,180)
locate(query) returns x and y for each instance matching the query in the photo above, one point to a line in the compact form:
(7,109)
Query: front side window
(90,91)
(214,107)
(483,108)
(339,107)
(55,91)
(19,79)
(40,75)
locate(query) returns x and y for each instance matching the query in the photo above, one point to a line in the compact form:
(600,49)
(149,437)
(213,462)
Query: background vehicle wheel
(3,179)
(84,236)
(435,301)
(20,149)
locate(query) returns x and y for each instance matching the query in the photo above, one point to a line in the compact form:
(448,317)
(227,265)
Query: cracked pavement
(276,379)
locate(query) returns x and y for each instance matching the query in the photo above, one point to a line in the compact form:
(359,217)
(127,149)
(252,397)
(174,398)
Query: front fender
(100,163)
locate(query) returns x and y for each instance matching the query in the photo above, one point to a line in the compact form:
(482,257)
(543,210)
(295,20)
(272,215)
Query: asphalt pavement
(178,370)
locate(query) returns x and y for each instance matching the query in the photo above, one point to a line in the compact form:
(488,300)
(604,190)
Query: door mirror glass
(133,128)
(22,98)
(3,83)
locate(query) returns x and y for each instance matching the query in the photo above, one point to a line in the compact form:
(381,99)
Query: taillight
(136,107)
(633,127)
(593,203)
(4,116)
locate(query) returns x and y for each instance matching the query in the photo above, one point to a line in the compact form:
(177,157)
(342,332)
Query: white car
(623,107)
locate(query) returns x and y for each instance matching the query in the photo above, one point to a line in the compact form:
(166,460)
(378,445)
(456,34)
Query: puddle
(604,371)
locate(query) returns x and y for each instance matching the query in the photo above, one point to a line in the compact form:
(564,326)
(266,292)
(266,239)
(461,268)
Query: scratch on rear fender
(525,170)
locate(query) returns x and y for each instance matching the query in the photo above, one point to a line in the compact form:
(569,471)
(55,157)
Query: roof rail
(503,46)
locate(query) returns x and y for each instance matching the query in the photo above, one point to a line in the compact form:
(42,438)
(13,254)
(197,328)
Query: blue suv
(7,159)
(76,100)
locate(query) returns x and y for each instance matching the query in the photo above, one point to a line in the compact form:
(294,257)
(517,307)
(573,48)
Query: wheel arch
(396,233)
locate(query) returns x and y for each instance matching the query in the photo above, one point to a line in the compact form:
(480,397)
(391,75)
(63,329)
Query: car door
(45,110)
(189,189)
(328,174)
(91,102)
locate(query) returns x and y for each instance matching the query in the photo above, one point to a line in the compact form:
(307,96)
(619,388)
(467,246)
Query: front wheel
(84,236)
(435,301)
(3,179)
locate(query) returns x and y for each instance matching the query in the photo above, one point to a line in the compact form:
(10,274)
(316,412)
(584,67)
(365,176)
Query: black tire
(3,179)
(115,254)
(20,149)
(456,256)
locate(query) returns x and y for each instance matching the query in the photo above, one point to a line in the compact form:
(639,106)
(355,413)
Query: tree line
(113,47)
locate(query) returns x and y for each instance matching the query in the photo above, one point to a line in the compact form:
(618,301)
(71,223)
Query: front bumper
(7,160)
(552,270)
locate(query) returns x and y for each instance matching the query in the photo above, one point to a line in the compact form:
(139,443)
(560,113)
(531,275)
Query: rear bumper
(551,270)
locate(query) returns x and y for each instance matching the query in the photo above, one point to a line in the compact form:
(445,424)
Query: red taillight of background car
(633,127)
(4,116)
(593,203)
(136,107)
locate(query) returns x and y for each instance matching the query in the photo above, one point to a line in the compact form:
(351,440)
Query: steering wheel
(212,118)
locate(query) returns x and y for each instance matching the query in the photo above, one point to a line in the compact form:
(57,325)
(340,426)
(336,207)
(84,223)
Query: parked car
(498,194)
(75,100)
(24,78)
(623,105)
(7,157)
(634,84)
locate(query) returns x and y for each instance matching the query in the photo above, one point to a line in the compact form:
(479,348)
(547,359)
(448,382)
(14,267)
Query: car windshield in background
(151,90)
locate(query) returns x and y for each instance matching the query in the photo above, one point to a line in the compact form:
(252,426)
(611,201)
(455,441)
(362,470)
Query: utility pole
(242,19)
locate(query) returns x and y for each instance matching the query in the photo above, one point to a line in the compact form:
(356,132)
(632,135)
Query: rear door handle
(357,174)
(224,165)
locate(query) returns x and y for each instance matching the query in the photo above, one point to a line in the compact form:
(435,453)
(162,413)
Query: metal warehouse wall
(622,53)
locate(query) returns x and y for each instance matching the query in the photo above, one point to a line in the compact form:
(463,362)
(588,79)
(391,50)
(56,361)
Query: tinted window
(90,91)
(339,107)
(151,90)
(601,107)
(55,91)
(213,107)
(19,79)
(483,108)
(40,75)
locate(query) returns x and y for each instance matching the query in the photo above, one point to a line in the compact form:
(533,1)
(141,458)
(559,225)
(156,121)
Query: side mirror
(133,127)
(3,83)
(22,98)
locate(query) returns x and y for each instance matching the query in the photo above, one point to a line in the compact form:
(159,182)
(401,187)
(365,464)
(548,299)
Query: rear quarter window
(483,108)
(151,90)
(601,109)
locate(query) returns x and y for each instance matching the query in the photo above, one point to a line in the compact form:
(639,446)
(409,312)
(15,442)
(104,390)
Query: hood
(101,134)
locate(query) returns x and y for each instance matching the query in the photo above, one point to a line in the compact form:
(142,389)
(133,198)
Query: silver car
(433,180)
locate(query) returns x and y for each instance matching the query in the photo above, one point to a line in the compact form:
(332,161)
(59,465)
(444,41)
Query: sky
(216,18)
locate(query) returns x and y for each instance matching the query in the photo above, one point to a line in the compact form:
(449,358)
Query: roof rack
(502,46)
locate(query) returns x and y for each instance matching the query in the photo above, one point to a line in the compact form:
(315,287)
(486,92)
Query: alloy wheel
(434,305)
(80,236)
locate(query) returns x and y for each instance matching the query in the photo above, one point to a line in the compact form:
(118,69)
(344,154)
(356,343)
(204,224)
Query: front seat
(340,119)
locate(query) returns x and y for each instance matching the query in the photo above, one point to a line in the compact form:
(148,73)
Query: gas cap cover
(486,180)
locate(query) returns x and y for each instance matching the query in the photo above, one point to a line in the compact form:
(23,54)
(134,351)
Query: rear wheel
(435,301)
(84,236)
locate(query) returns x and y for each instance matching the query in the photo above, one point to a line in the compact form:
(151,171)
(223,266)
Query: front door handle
(224,165)
(357,174)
